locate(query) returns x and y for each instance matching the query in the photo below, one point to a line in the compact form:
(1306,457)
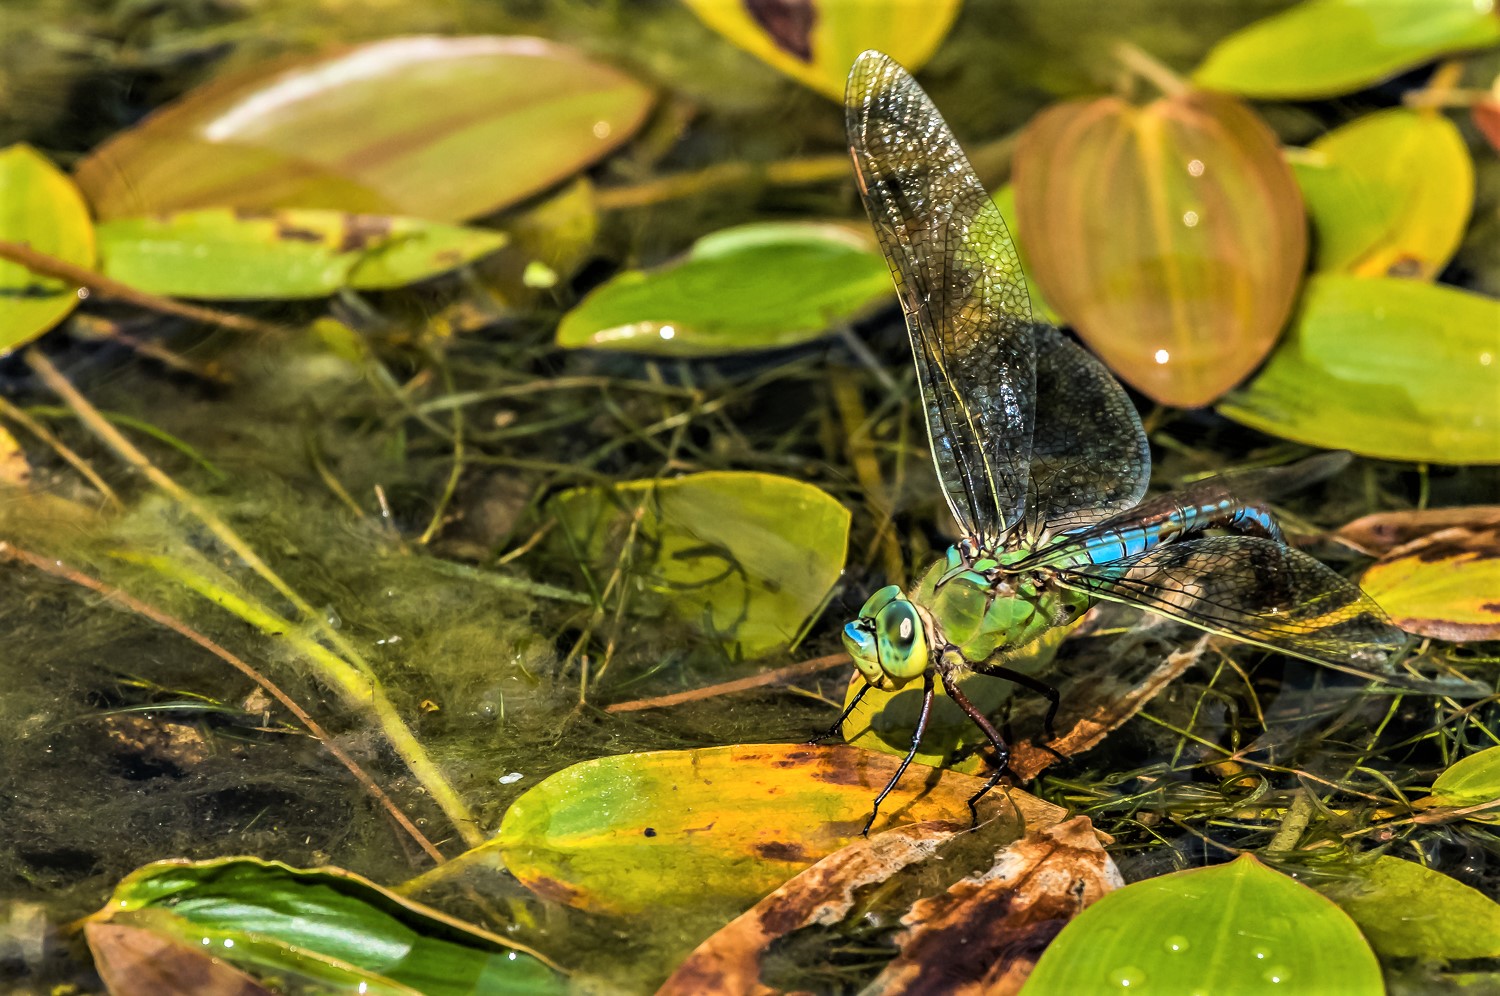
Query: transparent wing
(1089,456)
(961,287)
(1253,589)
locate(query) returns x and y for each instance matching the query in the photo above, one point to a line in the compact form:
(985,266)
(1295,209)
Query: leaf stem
(51,266)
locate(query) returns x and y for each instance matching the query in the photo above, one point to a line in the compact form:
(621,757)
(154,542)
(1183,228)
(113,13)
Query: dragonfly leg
(1046,691)
(838,724)
(916,741)
(1002,752)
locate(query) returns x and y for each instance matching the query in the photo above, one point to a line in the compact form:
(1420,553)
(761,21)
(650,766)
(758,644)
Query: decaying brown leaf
(1093,709)
(985,934)
(1384,531)
(133,961)
(729,961)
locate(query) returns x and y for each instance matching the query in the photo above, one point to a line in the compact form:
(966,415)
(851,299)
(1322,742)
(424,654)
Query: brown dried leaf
(729,961)
(134,961)
(1098,707)
(1384,531)
(987,931)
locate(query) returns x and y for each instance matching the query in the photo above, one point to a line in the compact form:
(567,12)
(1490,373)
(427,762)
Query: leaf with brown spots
(1383,531)
(1444,585)
(788,22)
(815,41)
(985,934)
(236,254)
(706,833)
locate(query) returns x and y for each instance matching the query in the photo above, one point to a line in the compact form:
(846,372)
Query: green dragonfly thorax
(971,607)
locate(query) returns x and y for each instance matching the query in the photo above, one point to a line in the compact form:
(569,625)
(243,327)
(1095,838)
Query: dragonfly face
(888,640)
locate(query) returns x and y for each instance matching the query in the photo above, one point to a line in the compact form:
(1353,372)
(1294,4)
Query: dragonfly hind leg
(1046,691)
(1002,752)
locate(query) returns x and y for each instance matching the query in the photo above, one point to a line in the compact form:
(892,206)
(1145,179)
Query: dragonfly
(1044,462)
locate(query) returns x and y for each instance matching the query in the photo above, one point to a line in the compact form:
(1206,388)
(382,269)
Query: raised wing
(1253,589)
(1089,456)
(961,287)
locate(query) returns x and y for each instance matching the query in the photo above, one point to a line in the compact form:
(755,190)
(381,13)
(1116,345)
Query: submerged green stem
(355,685)
(346,670)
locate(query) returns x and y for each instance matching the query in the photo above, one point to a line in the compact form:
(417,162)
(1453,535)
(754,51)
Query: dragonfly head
(888,640)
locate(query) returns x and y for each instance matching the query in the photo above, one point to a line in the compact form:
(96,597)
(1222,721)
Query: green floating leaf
(237,254)
(1408,911)
(326,926)
(816,41)
(1442,585)
(752,287)
(431,127)
(1239,927)
(1321,48)
(1473,781)
(748,557)
(39,206)
(713,829)
(1388,368)
(1389,194)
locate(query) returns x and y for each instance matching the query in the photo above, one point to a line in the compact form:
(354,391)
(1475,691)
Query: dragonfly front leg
(838,724)
(916,741)
(1002,752)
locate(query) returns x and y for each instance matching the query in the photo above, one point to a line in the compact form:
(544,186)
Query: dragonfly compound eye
(900,641)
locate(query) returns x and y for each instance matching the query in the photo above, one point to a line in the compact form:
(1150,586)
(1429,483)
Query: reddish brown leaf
(134,961)
(1384,531)
(729,961)
(986,932)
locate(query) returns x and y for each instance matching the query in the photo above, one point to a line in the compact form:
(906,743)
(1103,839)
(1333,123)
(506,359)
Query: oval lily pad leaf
(1389,194)
(748,557)
(224,254)
(1382,532)
(326,926)
(716,828)
(1408,911)
(758,286)
(1206,236)
(438,128)
(816,41)
(1321,48)
(1238,927)
(1472,781)
(39,206)
(1385,367)
(1446,585)
(989,929)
